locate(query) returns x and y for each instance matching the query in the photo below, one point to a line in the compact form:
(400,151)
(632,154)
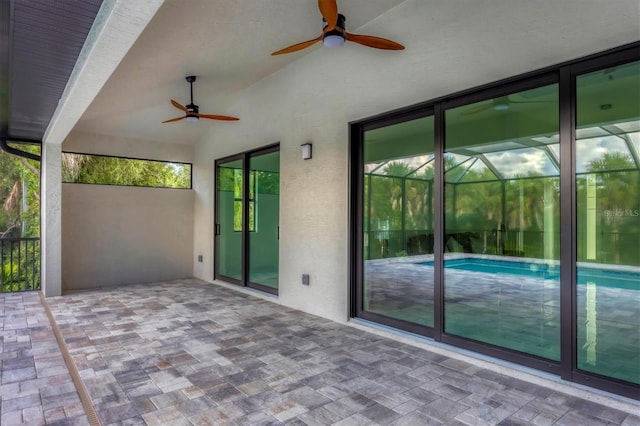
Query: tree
(95,169)
(20,195)
(19,218)
(616,179)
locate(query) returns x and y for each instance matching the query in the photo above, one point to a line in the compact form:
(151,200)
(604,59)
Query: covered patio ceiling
(40,41)
(226,44)
(139,53)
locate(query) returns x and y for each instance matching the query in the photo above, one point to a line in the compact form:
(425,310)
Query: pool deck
(195,353)
(518,312)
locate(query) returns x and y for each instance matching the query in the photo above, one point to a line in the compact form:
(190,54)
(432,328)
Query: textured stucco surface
(314,98)
(114,235)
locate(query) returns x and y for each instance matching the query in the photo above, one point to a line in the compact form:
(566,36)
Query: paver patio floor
(189,352)
(36,386)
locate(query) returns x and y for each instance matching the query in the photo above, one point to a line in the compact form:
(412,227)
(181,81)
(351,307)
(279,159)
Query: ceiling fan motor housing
(338,31)
(192,112)
(192,109)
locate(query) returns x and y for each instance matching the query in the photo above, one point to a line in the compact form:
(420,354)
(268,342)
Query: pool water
(606,278)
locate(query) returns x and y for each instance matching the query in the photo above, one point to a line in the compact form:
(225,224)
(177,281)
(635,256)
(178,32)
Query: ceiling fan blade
(178,105)
(218,117)
(299,46)
(477,109)
(175,119)
(329,11)
(373,41)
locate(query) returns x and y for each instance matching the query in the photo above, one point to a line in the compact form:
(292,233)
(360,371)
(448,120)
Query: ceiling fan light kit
(334,33)
(335,37)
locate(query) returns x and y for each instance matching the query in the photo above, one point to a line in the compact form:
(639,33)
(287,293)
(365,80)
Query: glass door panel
(229,211)
(264,219)
(608,222)
(397,238)
(501,231)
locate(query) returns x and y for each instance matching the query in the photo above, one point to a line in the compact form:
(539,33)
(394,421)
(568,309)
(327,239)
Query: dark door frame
(245,157)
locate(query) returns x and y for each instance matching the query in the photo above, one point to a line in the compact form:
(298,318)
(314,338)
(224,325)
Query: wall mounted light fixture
(306,151)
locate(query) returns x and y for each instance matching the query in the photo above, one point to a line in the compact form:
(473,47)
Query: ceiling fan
(192,111)
(501,103)
(334,33)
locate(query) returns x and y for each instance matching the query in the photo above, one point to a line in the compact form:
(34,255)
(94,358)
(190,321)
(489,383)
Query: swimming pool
(602,277)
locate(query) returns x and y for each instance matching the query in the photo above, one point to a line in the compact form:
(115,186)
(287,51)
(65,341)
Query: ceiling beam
(118,25)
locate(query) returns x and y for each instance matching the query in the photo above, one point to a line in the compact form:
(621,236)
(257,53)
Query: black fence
(20,262)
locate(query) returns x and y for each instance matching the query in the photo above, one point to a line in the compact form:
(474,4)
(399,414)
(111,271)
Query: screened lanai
(501,221)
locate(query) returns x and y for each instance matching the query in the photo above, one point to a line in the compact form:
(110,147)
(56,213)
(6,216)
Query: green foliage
(19,218)
(260,182)
(617,209)
(526,207)
(267,182)
(19,194)
(101,170)
(20,268)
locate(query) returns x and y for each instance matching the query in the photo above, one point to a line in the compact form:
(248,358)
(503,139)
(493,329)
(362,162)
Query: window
(106,170)
(505,220)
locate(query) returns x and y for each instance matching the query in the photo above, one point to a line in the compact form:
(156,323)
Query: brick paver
(193,353)
(35,387)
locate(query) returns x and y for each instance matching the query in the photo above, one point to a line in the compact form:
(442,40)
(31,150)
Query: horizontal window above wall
(106,170)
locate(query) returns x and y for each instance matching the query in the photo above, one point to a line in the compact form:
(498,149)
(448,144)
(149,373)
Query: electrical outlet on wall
(305,279)
(200,258)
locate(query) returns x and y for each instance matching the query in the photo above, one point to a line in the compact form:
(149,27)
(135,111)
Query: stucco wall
(315,98)
(114,235)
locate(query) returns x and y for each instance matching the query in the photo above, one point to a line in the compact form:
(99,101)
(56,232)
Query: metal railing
(20,264)
(618,248)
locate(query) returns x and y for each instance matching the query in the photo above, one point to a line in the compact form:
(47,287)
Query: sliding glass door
(501,225)
(264,219)
(397,221)
(608,221)
(506,220)
(229,223)
(247,219)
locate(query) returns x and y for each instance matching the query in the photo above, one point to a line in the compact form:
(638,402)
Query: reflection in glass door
(608,222)
(264,219)
(506,220)
(397,238)
(247,219)
(229,207)
(502,212)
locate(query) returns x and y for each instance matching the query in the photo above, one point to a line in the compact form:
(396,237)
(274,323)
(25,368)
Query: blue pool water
(606,278)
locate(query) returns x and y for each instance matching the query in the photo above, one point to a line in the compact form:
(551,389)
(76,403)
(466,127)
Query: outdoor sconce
(306,151)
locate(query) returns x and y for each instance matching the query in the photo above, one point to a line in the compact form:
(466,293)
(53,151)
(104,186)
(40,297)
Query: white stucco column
(117,26)
(51,220)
